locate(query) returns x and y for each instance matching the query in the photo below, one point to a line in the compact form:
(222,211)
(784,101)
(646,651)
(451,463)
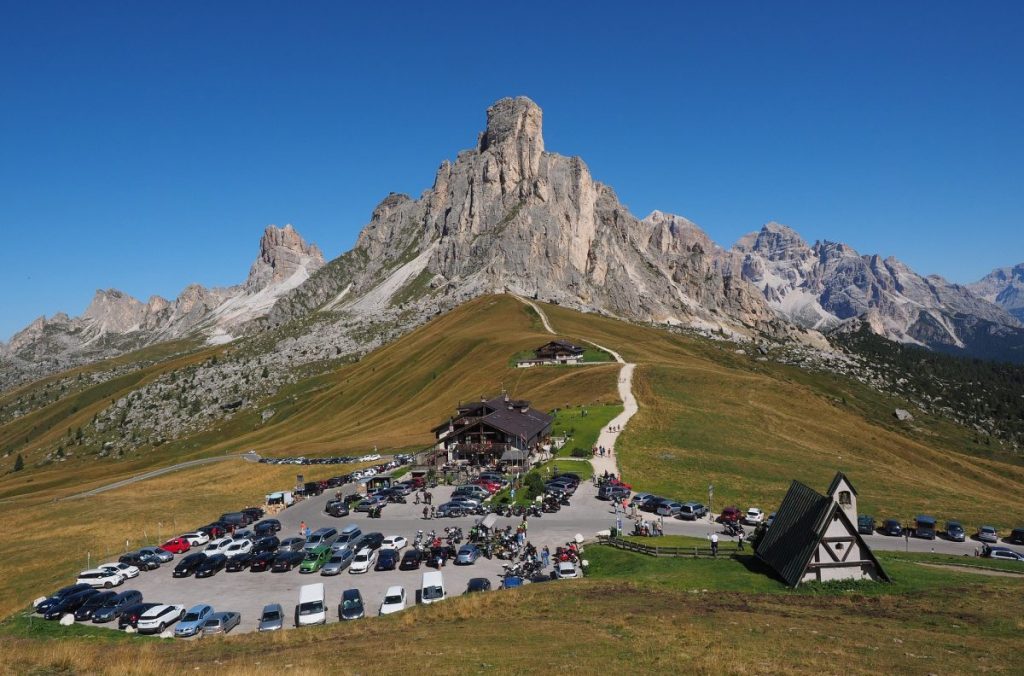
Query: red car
(730,514)
(619,482)
(489,485)
(176,545)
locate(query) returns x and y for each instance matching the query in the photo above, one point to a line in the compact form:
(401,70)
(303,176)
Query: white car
(394,600)
(101,577)
(753,516)
(237,548)
(566,570)
(126,570)
(196,539)
(158,618)
(394,542)
(218,546)
(363,560)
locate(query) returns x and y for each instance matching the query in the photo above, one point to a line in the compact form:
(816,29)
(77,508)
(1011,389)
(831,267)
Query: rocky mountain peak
(283,253)
(114,311)
(513,144)
(775,242)
(1004,287)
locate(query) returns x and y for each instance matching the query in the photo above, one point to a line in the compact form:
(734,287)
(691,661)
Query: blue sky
(146,147)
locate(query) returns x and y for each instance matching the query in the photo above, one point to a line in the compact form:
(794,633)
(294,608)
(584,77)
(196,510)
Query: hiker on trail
(714,544)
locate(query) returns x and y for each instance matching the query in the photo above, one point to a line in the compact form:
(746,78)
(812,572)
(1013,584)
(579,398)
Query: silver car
(221,623)
(272,618)
(338,562)
(161,554)
(988,534)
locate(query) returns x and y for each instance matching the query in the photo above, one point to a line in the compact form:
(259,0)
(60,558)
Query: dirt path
(250,456)
(609,435)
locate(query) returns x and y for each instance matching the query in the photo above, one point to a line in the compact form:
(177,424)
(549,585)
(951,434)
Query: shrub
(580,453)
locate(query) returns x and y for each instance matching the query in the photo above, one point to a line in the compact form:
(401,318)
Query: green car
(315,559)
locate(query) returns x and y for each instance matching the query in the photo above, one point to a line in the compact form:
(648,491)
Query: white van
(433,587)
(311,608)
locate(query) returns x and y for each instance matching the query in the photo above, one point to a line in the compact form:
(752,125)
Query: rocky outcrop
(283,254)
(1003,287)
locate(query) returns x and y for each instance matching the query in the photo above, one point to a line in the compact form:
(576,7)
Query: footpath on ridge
(607,438)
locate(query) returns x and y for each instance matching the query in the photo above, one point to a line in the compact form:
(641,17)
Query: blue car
(511,582)
(192,623)
(468,554)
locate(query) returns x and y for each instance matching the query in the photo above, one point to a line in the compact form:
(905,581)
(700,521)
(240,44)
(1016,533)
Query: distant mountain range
(506,215)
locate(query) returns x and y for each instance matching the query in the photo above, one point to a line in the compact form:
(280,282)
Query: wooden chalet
(559,351)
(814,537)
(490,430)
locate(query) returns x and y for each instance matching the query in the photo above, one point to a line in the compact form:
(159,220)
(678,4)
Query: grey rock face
(1004,287)
(283,253)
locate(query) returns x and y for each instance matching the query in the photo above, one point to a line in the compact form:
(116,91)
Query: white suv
(753,516)
(237,548)
(155,620)
(126,570)
(218,546)
(101,577)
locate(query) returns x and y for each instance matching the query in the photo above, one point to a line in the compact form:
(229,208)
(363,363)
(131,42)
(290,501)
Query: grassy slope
(708,415)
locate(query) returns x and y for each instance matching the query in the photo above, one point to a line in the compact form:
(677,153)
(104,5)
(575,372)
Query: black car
(370,540)
(612,492)
(351,606)
(387,559)
(1016,536)
(239,563)
(335,481)
(651,503)
(267,543)
(188,565)
(411,560)
(254,513)
(212,565)
(353,498)
(337,508)
(113,608)
(69,604)
(262,561)
(95,602)
(140,561)
(478,584)
(59,595)
(572,476)
(130,615)
(892,527)
(285,561)
(267,527)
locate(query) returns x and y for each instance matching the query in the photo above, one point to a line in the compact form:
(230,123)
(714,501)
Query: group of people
(654,528)
(601,451)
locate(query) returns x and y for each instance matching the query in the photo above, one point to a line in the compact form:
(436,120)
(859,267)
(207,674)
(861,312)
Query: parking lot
(246,592)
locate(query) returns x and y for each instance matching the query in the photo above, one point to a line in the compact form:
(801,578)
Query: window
(844,498)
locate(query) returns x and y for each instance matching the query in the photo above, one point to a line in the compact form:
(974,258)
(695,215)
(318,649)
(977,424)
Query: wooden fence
(654,550)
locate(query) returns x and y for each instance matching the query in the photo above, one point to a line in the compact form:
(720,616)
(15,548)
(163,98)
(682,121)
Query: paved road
(251,456)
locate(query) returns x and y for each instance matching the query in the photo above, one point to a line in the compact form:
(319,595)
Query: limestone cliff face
(508,215)
(1003,287)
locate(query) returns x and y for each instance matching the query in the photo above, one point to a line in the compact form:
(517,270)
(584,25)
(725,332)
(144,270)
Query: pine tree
(19,463)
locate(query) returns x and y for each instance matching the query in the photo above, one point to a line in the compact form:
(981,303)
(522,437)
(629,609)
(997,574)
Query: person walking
(739,541)
(302,529)
(426,512)
(433,512)
(546,556)
(714,544)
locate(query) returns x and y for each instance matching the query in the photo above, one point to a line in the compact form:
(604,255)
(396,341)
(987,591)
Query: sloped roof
(564,344)
(787,546)
(835,484)
(526,424)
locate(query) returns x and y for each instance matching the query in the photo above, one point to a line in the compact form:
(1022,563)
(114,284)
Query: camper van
(311,608)
(433,587)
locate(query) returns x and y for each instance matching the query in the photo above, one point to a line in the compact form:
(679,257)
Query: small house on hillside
(493,430)
(555,352)
(814,537)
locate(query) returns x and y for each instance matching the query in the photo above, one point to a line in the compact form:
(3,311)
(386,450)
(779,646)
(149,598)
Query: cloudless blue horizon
(146,147)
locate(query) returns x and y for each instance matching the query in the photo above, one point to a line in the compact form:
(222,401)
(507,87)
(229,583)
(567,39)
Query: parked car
(394,601)
(267,527)
(130,615)
(238,548)
(387,559)
(866,524)
(612,492)
(213,530)
(254,513)
(196,539)
(139,561)
(988,534)
(237,564)
(261,561)
(272,618)
(1016,536)
(292,545)
(189,564)
(161,554)
(244,534)
(478,584)
(730,515)
(753,517)
(68,604)
(177,545)
(192,622)
(286,560)
(468,554)
(92,604)
(1003,553)
(369,540)
(337,508)
(338,561)
(267,543)
(211,565)
(351,605)
(57,596)
(566,570)
(669,508)
(315,559)
(771,519)
(691,511)
(221,623)
(395,542)
(101,577)
(892,528)
(370,503)
(452,509)
(363,560)
(924,527)
(411,560)
(955,531)
(127,571)
(116,606)
(156,619)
